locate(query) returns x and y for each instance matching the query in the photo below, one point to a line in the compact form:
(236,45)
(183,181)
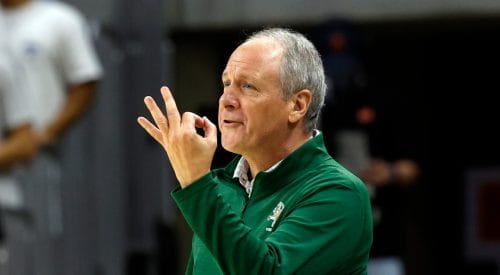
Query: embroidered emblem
(275,215)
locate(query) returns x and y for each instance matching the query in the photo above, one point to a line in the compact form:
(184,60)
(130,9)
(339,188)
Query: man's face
(253,116)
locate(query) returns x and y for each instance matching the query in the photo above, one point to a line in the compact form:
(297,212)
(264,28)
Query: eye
(248,86)
(226,83)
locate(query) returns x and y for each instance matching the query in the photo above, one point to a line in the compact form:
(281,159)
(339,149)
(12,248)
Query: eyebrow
(240,75)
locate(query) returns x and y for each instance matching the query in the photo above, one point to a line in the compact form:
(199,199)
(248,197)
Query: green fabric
(324,227)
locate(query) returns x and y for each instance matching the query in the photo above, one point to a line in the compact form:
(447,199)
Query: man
(16,136)
(283,206)
(17,146)
(54,42)
(62,68)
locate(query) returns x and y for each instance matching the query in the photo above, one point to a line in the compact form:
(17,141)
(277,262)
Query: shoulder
(62,18)
(332,178)
(330,171)
(59,10)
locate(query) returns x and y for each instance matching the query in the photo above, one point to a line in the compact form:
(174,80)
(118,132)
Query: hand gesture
(190,154)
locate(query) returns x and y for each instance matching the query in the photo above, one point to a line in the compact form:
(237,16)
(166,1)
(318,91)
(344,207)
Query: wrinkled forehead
(266,49)
(255,55)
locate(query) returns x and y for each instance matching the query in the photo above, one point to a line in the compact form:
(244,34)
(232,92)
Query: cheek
(218,117)
(268,119)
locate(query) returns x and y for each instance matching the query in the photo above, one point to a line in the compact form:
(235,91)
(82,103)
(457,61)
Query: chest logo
(275,215)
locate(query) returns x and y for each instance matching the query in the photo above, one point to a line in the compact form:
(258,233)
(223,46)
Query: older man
(283,206)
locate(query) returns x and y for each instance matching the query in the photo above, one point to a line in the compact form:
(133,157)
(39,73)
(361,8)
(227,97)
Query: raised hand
(190,153)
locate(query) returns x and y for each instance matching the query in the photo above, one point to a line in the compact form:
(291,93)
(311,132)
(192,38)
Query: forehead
(255,56)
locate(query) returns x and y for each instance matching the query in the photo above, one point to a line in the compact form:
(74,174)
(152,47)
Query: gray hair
(301,68)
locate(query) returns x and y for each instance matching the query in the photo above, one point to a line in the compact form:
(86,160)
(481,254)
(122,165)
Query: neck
(11,4)
(274,152)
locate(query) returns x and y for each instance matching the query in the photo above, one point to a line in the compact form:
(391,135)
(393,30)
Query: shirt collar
(241,172)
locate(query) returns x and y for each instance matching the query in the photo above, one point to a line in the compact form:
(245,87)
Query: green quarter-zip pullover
(309,215)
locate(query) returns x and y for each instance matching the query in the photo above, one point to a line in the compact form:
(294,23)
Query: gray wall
(216,13)
(212,13)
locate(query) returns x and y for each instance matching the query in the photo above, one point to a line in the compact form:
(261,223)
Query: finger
(210,130)
(199,122)
(191,121)
(158,117)
(173,116)
(150,129)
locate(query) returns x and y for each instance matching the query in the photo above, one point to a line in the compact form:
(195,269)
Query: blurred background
(426,69)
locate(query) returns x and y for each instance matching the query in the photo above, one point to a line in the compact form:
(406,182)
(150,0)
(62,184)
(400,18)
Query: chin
(229,147)
(232,146)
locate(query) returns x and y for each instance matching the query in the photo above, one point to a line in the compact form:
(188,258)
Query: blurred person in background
(17,146)
(54,44)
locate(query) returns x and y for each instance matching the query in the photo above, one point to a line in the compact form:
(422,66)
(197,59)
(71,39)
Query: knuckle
(187,114)
(162,120)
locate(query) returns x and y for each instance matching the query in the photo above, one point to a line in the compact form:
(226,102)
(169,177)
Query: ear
(299,104)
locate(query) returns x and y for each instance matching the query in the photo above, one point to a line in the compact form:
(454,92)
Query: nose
(229,99)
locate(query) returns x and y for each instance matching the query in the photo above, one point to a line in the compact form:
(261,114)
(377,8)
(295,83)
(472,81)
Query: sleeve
(189,267)
(326,233)
(77,55)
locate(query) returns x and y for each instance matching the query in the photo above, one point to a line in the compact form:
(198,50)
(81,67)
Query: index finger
(172,112)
